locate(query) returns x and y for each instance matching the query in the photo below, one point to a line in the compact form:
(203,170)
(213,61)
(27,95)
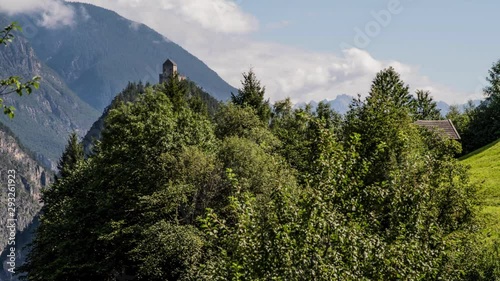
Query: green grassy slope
(485,170)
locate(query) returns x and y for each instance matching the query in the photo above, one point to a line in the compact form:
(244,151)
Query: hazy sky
(452,41)
(317,49)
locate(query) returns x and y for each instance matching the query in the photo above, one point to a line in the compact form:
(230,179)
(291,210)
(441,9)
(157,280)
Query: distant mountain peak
(340,104)
(342,101)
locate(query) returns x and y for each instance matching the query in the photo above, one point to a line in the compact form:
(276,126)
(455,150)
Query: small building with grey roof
(444,127)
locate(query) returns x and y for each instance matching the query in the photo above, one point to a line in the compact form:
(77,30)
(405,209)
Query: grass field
(485,170)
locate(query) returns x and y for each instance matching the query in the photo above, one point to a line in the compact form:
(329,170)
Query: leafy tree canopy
(172,195)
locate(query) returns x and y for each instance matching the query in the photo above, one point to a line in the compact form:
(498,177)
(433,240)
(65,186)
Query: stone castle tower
(169,68)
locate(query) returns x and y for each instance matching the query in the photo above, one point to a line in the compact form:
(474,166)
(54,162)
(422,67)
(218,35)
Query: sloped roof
(169,61)
(445,127)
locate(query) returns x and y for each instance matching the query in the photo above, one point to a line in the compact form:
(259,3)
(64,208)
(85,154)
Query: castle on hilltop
(169,69)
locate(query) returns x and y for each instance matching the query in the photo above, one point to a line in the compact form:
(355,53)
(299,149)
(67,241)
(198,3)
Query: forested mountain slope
(104,51)
(132,92)
(44,119)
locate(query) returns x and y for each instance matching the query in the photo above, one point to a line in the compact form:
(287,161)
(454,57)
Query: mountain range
(83,67)
(341,104)
(103,51)
(44,119)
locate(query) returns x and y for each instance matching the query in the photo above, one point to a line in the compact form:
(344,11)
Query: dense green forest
(481,125)
(253,191)
(133,90)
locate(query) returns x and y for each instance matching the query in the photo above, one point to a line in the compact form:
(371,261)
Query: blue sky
(453,42)
(318,49)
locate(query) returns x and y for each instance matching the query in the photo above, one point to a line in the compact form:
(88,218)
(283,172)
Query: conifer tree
(388,85)
(176,91)
(425,107)
(252,94)
(71,155)
(484,126)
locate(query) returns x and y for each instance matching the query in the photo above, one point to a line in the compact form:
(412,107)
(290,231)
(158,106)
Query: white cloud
(135,26)
(222,16)
(218,15)
(217,32)
(84,14)
(53,13)
(306,76)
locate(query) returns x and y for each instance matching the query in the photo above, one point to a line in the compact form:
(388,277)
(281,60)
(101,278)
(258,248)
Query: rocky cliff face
(30,178)
(35,175)
(45,118)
